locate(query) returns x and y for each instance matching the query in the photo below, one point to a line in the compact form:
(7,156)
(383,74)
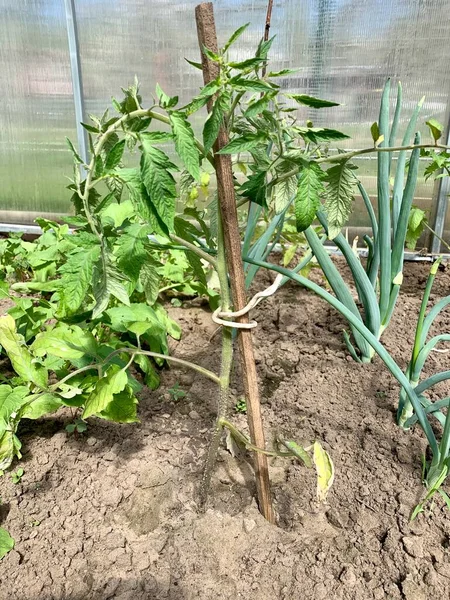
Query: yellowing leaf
(19,355)
(398,279)
(325,471)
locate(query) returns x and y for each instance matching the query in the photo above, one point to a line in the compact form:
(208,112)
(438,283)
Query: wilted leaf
(325,471)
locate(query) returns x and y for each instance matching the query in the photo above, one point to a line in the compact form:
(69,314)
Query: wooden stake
(206,30)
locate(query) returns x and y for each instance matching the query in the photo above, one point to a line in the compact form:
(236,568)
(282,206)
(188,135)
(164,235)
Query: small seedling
(35,523)
(78,426)
(17,476)
(241,406)
(176,392)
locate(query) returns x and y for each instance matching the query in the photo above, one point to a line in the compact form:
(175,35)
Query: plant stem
(201,253)
(349,155)
(179,361)
(225,367)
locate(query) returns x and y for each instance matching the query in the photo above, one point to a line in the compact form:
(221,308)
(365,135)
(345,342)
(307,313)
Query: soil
(113,513)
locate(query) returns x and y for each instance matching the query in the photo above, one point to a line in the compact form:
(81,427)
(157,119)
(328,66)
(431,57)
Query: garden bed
(112,513)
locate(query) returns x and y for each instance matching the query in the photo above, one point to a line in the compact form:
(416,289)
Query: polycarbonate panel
(344,50)
(36,109)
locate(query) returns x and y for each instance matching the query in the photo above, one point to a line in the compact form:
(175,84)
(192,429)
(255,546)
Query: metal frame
(77,80)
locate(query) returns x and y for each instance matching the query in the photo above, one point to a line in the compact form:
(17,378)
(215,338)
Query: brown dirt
(112,513)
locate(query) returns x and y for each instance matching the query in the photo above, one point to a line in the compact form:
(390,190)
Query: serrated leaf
(131,250)
(251,85)
(164,100)
(249,63)
(159,183)
(123,317)
(264,47)
(243,143)
(255,188)
(436,129)
(211,55)
(11,400)
(416,224)
(151,379)
(6,542)
(185,143)
(19,355)
(317,135)
(107,282)
(339,196)
(257,107)
(197,65)
(114,156)
(40,405)
(289,254)
(74,152)
(69,342)
(214,121)
(282,72)
(307,200)
(234,36)
(284,191)
(76,279)
(90,128)
(150,280)
(122,408)
(113,382)
(311,101)
(325,471)
(375,131)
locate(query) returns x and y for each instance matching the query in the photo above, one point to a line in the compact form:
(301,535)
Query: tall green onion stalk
(378,283)
(420,352)
(437,469)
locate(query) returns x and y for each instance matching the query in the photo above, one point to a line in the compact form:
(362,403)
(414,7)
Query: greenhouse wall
(344,50)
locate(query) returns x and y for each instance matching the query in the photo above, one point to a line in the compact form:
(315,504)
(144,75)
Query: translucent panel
(36,111)
(344,50)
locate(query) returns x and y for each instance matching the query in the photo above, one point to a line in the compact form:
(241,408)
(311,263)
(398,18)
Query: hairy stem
(349,155)
(225,367)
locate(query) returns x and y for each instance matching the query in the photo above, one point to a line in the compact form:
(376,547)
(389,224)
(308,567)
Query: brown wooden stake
(266,31)
(206,30)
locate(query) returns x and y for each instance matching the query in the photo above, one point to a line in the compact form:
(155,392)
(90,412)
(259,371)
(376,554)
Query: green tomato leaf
(115,156)
(185,143)
(6,542)
(19,355)
(307,201)
(76,279)
(339,196)
(436,129)
(234,36)
(40,405)
(215,120)
(243,143)
(317,135)
(150,280)
(113,382)
(122,408)
(311,101)
(67,342)
(132,252)
(258,106)
(255,188)
(159,183)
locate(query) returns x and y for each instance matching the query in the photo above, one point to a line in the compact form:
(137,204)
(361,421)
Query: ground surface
(112,513)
